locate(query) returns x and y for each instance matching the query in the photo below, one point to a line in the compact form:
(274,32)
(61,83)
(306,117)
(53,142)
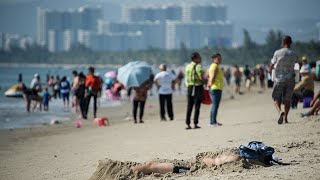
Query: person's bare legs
(315,108)
(152,167)
(221,159)
(286,110)
(277,104)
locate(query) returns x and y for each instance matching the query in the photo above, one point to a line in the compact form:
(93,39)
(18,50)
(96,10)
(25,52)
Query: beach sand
(64,152)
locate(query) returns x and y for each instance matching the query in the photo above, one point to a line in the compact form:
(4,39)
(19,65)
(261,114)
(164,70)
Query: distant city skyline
(294,17)
(163,27)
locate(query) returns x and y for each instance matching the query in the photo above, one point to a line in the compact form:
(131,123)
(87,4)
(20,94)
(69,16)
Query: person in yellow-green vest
(215,83)
(194,82)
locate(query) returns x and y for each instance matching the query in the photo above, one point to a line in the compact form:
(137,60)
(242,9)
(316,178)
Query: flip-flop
(304,115)
(280,120)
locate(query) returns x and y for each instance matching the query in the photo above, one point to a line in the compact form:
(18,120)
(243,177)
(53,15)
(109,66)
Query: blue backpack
(258,151)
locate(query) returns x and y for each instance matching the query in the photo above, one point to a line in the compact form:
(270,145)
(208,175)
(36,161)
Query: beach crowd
(291,77)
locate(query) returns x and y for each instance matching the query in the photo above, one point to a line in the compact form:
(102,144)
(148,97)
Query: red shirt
(93,82)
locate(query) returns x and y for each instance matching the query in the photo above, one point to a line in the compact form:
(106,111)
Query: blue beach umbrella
(134,73)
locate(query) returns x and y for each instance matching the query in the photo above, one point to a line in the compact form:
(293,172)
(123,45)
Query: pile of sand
(110,169)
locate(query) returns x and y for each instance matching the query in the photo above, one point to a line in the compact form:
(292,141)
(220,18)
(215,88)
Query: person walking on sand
(93,87)
(194,83)
(237,75)
(164,82)
(247,74)
(139,100)
(215,83)
(283,62)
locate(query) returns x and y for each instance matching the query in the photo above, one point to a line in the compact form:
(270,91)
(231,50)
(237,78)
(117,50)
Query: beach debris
(99,122)
(78,123)
(52,122)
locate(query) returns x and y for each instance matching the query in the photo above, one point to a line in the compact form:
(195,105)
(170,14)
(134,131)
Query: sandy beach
(65,152)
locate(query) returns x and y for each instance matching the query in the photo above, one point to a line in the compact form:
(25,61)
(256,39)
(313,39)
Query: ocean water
(12,110)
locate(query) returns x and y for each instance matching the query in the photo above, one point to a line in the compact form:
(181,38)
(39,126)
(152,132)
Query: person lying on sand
(164,168)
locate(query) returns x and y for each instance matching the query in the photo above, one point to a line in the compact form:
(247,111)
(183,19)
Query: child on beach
(46,99)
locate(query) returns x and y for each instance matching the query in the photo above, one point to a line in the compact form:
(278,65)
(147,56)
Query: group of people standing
(195,83)
(82,89)
(164,82)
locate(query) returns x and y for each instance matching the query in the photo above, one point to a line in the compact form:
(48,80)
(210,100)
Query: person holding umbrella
(140,96)
(164,82)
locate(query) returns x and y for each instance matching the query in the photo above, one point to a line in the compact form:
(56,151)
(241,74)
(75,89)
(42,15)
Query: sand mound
(109,169)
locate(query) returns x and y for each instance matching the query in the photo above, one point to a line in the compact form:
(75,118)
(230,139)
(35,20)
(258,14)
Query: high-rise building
(208,13)
(55,40)
(151,13)
(64,23)
(153,33)
(198,34)
(41,27)
(164,27)
(111,41)
(69,39)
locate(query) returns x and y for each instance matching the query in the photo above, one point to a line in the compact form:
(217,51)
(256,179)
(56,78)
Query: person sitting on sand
(305,88)
(315,104)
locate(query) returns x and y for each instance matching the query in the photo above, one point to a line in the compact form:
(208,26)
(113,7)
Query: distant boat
(14,91)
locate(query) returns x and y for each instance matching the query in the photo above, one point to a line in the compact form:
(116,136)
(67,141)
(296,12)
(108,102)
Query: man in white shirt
(283,62)
(164,82)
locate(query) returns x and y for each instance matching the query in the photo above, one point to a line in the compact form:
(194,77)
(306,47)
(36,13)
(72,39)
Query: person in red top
(139,98)
(93,87)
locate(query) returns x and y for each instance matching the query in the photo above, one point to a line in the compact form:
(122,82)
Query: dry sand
(64,152)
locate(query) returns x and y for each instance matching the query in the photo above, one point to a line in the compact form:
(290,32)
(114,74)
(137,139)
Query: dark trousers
(141,105)
(195,94)
(298,96)
(82,105)
(87,99)
(56,94)
(166,99)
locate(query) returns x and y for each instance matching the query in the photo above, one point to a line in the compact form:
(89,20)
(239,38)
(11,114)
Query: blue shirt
(46,97)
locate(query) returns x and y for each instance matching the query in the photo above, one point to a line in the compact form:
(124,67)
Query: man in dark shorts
(282,63)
